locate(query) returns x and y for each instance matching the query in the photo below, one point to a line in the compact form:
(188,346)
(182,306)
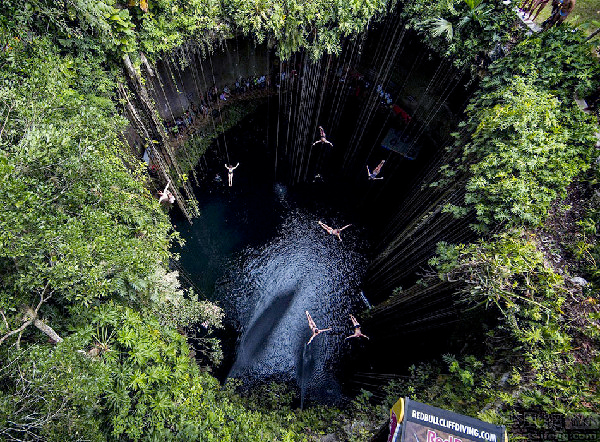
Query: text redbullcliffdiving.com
(461,428)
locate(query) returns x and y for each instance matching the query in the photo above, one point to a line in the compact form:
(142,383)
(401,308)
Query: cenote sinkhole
(299,221)
(257,249)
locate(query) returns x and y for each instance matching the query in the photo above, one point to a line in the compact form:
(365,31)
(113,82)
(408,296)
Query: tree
(471,29)
(521,151)
(557,60)
(77,225)
(549,338)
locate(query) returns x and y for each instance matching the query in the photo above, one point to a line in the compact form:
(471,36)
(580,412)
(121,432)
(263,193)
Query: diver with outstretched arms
(166,195)
(230,170)
(313,328)
(357,333)
(373,175)
(332,231)
(323,138)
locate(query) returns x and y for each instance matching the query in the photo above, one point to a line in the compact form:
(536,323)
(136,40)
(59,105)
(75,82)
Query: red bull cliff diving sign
(412,421)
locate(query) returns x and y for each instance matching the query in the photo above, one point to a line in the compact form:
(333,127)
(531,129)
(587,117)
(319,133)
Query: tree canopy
(94,326)
(522,153)
(93,322)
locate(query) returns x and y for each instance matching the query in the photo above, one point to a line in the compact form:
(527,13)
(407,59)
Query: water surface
(258,251)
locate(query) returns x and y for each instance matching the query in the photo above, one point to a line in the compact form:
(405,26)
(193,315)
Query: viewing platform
(533,27)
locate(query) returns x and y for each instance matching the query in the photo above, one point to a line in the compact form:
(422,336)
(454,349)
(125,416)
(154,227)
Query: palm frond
(441,26)
(472,4)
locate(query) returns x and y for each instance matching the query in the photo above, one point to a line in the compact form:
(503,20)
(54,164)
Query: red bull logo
(433,437)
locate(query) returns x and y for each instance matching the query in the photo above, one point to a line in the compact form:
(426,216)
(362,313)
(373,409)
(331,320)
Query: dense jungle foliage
(93,323)
(465,31)
(525,161)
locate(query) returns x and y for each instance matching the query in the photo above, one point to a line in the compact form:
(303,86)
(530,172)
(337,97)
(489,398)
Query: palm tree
(440,26)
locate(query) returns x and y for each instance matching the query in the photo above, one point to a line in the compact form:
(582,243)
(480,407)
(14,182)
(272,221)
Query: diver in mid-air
(313,328)
(373,175)
(166,195)
(357,332)
(323,138)
(230,170)
(333,231)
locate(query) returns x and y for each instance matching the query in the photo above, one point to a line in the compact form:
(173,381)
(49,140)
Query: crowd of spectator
(209,103)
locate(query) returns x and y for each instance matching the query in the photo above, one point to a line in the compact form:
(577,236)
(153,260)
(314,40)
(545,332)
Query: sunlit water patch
(269,288)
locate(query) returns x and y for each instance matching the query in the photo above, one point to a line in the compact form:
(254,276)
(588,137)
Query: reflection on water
(271,262)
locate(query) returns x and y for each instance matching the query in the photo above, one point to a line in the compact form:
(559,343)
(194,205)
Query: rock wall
(183,77)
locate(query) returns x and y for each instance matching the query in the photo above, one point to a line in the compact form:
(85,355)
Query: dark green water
(258,251)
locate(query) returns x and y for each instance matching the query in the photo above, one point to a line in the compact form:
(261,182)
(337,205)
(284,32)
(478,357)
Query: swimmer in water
(165,195)
(230,170)
(333,231)
(323,138)
(313,328)
(373,175)
(357,332)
